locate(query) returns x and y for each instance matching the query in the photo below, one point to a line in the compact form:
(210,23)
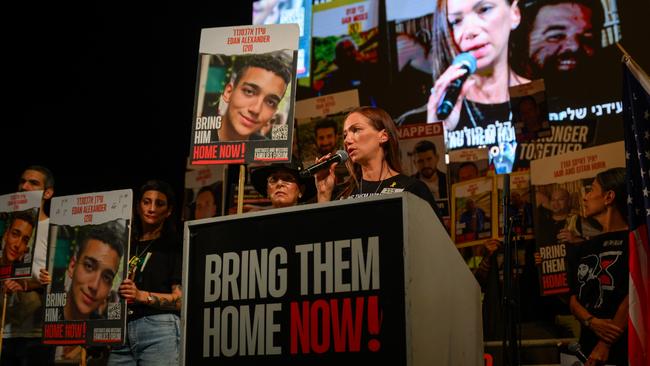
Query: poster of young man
(18,224)
(87,260)
(423,157)
(560,184)
(245,94)
(472,209)
(520,208)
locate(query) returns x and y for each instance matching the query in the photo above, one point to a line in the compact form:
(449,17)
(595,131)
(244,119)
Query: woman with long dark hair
(153,288)
(371,141)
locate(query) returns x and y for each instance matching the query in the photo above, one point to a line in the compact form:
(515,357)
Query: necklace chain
(136,260)
(139,253)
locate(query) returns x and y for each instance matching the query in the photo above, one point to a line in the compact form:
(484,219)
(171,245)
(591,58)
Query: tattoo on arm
(171,301)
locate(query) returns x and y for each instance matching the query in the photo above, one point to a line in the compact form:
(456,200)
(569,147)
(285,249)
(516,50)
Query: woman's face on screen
(482,27)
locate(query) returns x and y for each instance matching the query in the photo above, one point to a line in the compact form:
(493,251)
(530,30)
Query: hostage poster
(423,157)
(18,229)
(559,184)
(87,259)
(245,95)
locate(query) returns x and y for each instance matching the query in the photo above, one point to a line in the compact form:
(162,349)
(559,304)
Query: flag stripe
(634,343)
(636,115)
(639,301)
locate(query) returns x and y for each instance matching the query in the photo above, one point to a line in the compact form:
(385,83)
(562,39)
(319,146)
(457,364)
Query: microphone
(338,157)
(574,348)
(448,100)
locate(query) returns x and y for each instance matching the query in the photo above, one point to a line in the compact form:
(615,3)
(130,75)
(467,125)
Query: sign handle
(4,312)
(83,356)
(240,196)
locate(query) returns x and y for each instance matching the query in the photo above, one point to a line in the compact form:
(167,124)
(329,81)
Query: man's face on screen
(562,38)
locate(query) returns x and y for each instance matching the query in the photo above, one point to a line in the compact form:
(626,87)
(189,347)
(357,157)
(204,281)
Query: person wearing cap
(282,184)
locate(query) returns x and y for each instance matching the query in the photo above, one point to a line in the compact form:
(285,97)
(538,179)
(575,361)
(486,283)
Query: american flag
(636,106)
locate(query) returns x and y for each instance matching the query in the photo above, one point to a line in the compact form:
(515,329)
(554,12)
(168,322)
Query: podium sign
(314,284)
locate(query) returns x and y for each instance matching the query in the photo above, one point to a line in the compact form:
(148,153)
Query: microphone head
(343,154)
(574,347)
(466,59)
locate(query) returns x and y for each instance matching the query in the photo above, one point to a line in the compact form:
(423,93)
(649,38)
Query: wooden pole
(83,356)
(4,312)
(240,196)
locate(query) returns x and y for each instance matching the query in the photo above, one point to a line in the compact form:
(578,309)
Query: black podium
(352,281)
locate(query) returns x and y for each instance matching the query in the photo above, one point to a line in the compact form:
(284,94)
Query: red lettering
(360,17)
(53,330)
(299,327)
(230,151)
(347,330)
(320,306)
(204,152)
(374,322)
(5,270)
(554,280)
(315,326)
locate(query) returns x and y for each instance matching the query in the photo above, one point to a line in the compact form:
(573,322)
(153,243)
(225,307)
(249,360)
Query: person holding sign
(599,273)
(370,139)
(253,96)
(92,270)
(153,289)
(282,184)
(481,29)
(24,320)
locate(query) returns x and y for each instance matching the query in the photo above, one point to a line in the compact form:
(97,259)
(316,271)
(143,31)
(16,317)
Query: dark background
(102,93)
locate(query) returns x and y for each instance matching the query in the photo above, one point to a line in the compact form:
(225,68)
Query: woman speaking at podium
(370,139)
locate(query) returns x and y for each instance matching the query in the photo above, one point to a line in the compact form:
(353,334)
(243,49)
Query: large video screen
(571,45)
(286,12)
